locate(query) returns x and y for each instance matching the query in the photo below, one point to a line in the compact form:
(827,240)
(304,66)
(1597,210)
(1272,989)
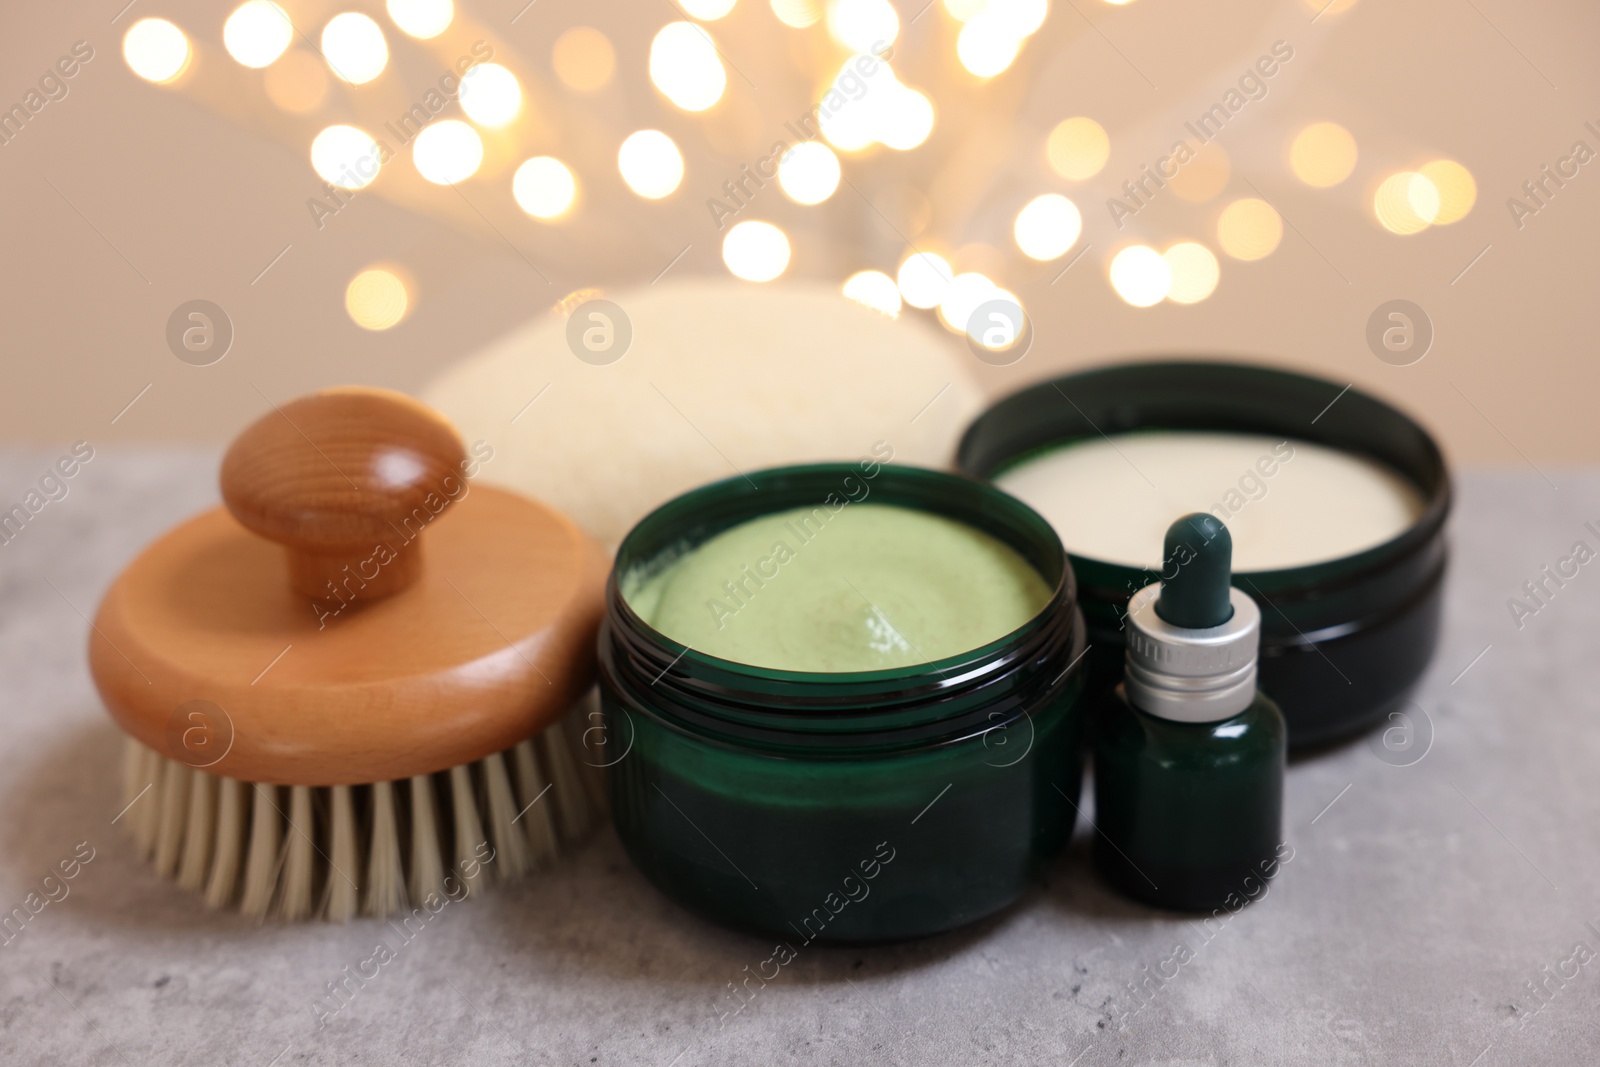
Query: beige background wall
(126,199)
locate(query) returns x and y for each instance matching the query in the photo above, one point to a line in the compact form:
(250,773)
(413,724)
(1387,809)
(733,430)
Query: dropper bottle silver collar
(1192,675)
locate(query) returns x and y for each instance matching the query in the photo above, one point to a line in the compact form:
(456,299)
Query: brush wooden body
(337,723)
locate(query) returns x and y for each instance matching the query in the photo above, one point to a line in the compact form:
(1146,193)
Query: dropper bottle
(1188,753)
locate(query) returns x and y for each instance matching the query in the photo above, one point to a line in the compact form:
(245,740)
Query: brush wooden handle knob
(483,648)
(346,480)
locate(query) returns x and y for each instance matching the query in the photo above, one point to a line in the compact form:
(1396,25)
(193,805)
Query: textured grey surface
(1422,904)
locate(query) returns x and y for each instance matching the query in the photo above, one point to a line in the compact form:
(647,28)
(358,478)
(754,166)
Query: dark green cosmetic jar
(1343,641)
(844,807)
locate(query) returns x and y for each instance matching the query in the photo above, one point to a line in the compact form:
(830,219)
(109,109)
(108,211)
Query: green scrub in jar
(862,587)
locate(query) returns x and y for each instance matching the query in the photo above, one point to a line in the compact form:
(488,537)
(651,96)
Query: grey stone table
(1443,912)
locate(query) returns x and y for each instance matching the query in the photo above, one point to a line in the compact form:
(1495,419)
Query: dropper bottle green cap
(1189,754)
(1193,638)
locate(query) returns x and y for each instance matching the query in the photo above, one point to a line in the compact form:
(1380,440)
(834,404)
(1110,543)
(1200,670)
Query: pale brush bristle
(386,874)
(231,804)
(198,833)
(340,851)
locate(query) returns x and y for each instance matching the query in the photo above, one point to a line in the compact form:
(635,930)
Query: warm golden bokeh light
(490,95)
(650,163)
(755,251)
(961,298)
(1047,226)
(354,47)
(923,279)
(797,14)
(584,59)
(965,10)
(298,82)
(257,33)
(1323,154)
(996,330)
(345,156)
(1021,17)
(376,299)
(876,290)
(544,187)
(1249,229)
(1077,148)
(1457,189)
(809,173)
(1195,272)
(447,151)
(155,50)
(685,66)
(1141,276)
(882,109)
(907,120)
(1406,203)
(707,10)
(987,45)
(1204,177)
(422,19)
(863,25)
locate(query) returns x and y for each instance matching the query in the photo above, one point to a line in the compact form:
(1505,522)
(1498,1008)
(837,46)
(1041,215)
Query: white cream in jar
(1287,503)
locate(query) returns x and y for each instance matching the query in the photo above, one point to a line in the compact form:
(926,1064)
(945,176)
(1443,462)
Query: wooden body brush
(358,722)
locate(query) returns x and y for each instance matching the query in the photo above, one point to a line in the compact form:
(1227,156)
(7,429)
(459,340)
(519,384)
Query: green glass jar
(1343,641)
(1189,813)
(853,806)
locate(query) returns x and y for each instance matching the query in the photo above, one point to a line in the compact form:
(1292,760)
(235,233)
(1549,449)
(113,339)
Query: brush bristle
(335,852)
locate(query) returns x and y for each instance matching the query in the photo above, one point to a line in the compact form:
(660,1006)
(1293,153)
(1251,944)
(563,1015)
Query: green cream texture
(857,587)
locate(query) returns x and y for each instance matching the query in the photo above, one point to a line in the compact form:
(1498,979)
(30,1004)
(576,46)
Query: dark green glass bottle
(1188,753)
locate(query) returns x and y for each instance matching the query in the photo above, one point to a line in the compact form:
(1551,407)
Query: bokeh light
(1195,272)
(876,290)
(965,10)
(797,14)
(880,108)
(584,59)
(961,298)
(685,66)
(863,25)
(809,173)
(1022,17)
(490,95)
(1249,229)
(354,47)
(1047,226)
(1204,177)
(987,45)
(544,187)
(298,82)
(345,156)
(376,299)
(1406,203)
(423,19)
(155,50)
(257,33)
(447,151)
(756,251)
(1457,189)
(907,119)
(1077,148)
(923,279)
(1323,154)
(650,163)
(995,330)
(1141,276)
(706,10)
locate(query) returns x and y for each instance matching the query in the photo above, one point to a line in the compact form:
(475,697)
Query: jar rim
(850,701)
(1250,398)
